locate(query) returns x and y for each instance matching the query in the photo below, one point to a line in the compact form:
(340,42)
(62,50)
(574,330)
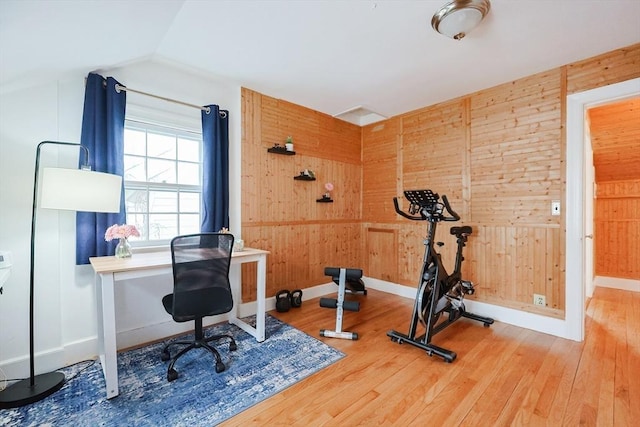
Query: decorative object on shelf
(279,149)
(326,197)
(329,187)
(306,175)
(122,232)
(238,244)
(289,143)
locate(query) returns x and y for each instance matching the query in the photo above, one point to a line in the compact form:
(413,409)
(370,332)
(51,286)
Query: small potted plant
(329,188)
(289,143)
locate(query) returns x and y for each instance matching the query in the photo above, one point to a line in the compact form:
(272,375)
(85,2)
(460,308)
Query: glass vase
(123,249)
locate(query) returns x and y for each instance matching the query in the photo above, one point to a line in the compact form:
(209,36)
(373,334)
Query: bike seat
(459,231)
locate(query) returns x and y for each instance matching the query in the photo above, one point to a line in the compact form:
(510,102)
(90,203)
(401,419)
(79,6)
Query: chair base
(199,342)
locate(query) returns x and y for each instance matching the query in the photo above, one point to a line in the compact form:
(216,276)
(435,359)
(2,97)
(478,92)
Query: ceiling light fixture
(455,19)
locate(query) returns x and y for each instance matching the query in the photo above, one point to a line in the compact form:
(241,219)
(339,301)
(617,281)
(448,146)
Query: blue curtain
(215,165)
(103,135)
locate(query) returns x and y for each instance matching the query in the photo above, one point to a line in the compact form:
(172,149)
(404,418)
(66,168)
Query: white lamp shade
(80,190)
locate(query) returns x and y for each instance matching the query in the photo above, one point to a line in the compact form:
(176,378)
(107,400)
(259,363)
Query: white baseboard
(46,361)
(616,283)
(522,319)
(389,287)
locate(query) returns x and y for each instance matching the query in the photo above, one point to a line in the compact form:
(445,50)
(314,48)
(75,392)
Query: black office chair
(200,288)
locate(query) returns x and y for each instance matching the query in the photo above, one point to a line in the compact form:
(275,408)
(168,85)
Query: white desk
(110,270)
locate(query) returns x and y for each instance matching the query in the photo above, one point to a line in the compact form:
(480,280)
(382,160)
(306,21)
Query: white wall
(65,313)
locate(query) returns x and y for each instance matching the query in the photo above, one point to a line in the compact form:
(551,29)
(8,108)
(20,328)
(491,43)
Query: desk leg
(107,332)
(261,298)
(261,277)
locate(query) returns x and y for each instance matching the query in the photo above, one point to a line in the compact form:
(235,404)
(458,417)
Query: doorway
(575,201)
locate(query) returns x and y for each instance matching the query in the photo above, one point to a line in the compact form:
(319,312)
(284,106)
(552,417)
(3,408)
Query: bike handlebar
(425,215)
(402,213)
(454,215)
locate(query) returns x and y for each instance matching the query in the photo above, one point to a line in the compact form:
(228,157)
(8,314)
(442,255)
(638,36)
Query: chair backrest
(201,275)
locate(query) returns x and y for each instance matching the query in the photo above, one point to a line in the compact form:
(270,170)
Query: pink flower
(120,232)
(328,186)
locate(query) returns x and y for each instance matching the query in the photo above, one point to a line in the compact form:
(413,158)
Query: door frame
(577,105)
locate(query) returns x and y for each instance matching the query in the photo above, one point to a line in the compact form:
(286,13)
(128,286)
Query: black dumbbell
(283,301)
(296,298)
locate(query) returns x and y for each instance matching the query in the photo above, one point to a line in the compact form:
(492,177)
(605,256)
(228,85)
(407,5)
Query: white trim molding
(632,285)
(522,319)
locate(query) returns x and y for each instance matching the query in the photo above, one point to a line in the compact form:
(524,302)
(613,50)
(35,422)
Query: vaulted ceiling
(327,55)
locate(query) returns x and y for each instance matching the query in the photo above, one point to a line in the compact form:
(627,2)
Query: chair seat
(199,303)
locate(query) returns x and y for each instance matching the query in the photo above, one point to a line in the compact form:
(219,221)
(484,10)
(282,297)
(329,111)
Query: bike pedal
(468,287)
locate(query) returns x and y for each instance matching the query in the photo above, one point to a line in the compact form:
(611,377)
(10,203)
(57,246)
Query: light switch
(555,207)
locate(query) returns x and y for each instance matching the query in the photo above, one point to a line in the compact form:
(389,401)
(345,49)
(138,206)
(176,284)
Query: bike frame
(435,276)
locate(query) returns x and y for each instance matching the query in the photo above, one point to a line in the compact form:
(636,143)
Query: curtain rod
(206,109)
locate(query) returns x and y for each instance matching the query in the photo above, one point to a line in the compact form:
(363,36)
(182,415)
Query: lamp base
(22,393)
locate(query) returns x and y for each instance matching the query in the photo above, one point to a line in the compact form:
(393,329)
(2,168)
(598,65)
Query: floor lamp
(62,189)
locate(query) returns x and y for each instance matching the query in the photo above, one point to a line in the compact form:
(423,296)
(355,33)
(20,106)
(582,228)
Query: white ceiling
(328,55)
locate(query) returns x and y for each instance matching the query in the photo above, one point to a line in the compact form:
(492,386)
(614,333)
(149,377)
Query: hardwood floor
(503,376)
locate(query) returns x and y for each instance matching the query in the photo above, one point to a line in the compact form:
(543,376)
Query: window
(162,180)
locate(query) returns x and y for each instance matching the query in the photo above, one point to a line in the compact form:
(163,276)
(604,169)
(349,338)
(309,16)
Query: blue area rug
(199,397)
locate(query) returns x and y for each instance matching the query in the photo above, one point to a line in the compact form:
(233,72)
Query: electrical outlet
(555,207)
(540,300)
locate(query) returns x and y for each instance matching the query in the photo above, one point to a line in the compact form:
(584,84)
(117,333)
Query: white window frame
(160,121)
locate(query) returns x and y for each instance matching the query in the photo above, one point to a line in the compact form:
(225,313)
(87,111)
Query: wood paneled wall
(498,154)
(280,214)
(613,67)
(380,168)
(617,229)
(516,163)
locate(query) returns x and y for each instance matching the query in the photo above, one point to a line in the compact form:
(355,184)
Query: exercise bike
(438,293)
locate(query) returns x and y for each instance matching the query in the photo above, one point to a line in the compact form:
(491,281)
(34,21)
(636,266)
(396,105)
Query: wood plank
(616,227)
(612,67)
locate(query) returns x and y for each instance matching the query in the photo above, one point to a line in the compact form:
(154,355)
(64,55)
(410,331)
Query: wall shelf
(324,200)
(281,150)
(304,178)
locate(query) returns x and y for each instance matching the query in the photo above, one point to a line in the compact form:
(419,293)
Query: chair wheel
(172,374)
(220,367)
(233,346)
(165,356)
